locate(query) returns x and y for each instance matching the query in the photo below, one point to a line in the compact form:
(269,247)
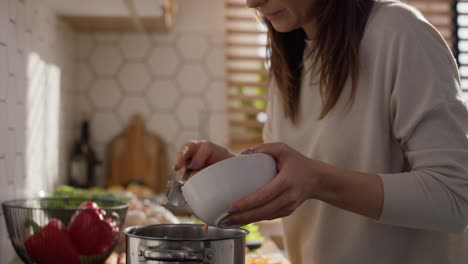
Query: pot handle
(163,254)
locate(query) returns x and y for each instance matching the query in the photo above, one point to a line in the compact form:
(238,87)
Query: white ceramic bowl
(212,190)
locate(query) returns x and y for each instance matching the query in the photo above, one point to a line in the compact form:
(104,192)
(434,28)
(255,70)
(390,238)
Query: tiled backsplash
(174,80)
(36,62)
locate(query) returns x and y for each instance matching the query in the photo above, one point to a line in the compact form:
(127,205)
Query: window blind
(246,73)
(450,17)
(462,36)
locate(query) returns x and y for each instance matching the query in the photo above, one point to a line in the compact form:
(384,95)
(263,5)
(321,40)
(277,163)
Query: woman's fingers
(196,155)
(113,258)
(185,154)
(281,206)
(123,258)
(272,149)
(205,151)
(276,150)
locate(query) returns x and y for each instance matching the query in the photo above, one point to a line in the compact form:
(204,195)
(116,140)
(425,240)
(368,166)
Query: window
(462,47)
(450,17)
(246,74)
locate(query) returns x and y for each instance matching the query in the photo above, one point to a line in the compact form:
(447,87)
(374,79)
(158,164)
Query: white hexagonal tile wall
(12,48)
(21,78)
(11,102)
(19,173)
(105,94)
(3,180)
(164,61)
(3,129)
(216,64)
(192,79)
(3,21)
(192,47)
(134,77)
(104,126)
(190,112)
(82,104)
(84,77)
(132,105)
(216,96)
(11,154)
(165,125)
(164,37)
(107,37)
(85,45)
(20,128)
(135,46)
(21,27)
(163,95)
(12,7)
(3,72)
(106,60)
(186,136)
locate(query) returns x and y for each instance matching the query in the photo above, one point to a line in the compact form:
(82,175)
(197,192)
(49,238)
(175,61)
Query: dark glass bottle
(83,160)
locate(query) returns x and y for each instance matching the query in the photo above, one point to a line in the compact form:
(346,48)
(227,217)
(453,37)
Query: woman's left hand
(297,180)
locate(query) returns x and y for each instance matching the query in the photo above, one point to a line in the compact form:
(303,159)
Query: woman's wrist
(358,192)
(327,183)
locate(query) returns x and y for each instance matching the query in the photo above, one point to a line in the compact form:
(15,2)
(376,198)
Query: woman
(373,154)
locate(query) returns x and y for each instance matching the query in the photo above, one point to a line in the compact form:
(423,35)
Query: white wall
(46,81)
(175,80)
(35,111)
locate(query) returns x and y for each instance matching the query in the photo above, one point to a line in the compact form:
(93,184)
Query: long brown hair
(340,28)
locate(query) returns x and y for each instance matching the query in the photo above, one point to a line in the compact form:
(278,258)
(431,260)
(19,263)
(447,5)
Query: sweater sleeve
(430,121)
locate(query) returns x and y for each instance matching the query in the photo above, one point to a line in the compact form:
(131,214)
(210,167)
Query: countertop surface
(269,253)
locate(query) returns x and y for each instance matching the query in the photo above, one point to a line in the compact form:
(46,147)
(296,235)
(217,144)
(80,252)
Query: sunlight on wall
(52,124)
(42,125)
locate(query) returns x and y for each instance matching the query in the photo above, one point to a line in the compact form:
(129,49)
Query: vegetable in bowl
(68,197)
(36,223)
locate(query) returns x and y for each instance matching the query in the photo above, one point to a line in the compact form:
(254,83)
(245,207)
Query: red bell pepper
(52,245)
(90,231)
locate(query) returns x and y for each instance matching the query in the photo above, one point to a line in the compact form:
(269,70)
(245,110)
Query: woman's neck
(310,30)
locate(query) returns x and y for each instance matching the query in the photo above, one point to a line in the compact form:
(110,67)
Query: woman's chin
(284,28)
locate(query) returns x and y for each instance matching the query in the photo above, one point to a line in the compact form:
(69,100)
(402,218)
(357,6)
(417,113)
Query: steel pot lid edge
(129,231)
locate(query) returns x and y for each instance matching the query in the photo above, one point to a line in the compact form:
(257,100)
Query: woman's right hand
(196,155)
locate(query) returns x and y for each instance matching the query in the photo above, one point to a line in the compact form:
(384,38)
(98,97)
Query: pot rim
(131,228)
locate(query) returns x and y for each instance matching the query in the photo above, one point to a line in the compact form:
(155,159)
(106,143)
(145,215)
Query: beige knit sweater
(409,125)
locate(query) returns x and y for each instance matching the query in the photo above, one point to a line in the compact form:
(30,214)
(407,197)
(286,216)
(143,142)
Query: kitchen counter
(270,251)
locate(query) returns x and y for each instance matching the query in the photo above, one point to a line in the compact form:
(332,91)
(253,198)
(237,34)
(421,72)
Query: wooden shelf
(131,23)
(116,24)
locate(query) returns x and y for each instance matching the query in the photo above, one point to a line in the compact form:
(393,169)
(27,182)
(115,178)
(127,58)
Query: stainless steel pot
(185,243)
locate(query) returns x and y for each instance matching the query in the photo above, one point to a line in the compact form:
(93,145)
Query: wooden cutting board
(138,155)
